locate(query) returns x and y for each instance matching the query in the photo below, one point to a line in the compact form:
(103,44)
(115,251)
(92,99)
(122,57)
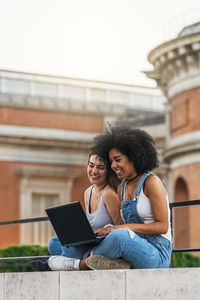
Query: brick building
(177,72)
(47,124)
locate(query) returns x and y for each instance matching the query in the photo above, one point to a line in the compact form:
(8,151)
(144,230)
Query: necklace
(132,179)
(94,200)
(98,194)
(130,193)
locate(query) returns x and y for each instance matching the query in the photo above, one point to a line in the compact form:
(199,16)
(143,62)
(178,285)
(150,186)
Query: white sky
(105,40)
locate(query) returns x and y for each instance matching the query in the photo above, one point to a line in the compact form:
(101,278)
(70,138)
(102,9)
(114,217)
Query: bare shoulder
(86,192)
(153,179)
(109,192)
(153,184)
(112,204)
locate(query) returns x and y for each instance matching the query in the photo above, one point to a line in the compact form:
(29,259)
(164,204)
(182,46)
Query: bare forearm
(151,228)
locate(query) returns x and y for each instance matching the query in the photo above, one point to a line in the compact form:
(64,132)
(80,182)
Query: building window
(42,187)
(42,231)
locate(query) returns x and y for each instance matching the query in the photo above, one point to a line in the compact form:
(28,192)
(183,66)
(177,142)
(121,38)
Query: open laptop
(71,225)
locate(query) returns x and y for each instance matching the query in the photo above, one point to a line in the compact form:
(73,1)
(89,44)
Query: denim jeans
(55,248)
(141,252)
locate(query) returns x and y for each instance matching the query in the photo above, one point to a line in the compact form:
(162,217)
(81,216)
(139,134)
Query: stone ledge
(151,284)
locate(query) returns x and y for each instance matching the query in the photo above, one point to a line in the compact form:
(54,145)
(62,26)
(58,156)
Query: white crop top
(146,214)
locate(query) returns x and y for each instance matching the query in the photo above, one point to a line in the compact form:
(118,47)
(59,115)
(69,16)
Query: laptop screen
(70,224)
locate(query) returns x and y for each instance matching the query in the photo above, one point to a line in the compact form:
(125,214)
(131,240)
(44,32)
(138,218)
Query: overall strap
(141,182)
(122,189)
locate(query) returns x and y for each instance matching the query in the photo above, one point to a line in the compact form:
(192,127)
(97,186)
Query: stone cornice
(176,64)
(182,145)
(41,138)
(51,93)
(170,49)
(187,138)
(61,80)
(44,156)
(171,153)
(186,159)
(34,171)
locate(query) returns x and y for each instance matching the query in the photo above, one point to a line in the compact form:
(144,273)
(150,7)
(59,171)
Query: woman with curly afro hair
(144,240)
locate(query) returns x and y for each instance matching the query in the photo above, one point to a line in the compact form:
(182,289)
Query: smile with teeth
(118,171)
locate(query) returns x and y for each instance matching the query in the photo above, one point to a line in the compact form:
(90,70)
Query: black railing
(26,259)
(30,220)
(42,219)
(183,204)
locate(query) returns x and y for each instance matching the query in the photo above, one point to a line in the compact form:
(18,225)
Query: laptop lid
(71,224)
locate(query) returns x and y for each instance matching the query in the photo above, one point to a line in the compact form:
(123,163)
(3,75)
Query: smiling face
(121,165)
(96,170)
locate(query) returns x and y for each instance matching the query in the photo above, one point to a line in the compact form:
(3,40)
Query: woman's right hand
(103,231)
(106,230)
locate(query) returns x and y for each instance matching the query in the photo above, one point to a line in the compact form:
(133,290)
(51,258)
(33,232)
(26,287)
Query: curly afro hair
(136,144)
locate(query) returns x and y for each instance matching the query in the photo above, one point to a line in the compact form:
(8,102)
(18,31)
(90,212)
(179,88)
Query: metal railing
(183,204)
(21,258)
(42,219)
(30,220)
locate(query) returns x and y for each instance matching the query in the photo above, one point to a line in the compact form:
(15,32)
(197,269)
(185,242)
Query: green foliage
(19,251)
(180,259)
(185,260)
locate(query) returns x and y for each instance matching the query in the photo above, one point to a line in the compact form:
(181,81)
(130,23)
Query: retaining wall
(151,284)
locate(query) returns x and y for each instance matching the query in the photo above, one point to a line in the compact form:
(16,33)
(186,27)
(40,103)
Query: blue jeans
(142,253)
(55,248)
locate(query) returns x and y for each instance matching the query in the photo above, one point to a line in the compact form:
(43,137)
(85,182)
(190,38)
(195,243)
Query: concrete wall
(154,284)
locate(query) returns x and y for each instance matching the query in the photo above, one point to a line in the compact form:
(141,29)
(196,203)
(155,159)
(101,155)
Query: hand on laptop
(107,229)
(103,231)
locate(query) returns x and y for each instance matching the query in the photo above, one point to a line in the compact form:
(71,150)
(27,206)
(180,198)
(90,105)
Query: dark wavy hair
(111,177)
(136,144)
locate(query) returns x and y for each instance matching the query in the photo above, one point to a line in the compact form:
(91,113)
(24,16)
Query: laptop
(71,225)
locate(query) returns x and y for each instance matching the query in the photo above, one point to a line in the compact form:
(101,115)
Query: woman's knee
(54,239)
(118,234)
(54,246)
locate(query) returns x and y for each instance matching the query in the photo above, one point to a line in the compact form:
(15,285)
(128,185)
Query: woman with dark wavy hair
(144,240)
(102,208)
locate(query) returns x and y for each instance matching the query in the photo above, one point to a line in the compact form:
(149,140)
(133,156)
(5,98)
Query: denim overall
(141,250)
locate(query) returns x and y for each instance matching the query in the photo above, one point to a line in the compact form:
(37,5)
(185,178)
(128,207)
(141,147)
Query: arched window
(181,216)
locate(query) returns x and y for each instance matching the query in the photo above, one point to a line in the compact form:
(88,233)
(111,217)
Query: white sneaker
(63,263)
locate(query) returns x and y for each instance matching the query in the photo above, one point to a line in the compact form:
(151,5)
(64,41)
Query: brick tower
(177,72)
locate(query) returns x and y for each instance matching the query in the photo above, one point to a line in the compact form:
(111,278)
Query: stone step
(146,284)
